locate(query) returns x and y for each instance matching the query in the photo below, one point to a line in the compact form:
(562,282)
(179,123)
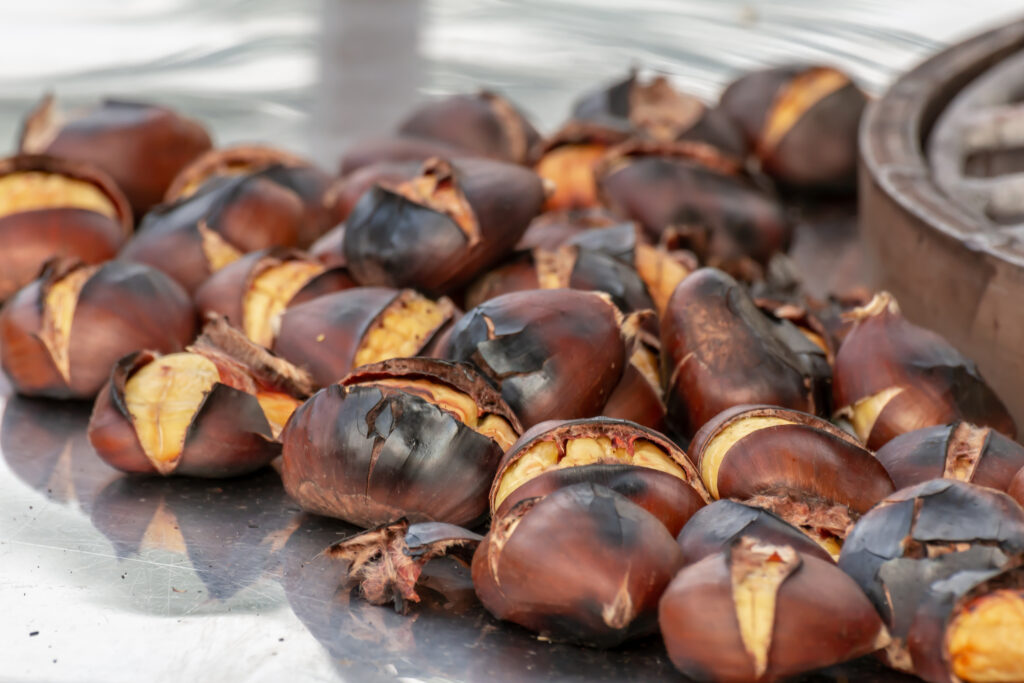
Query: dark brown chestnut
(410,437)
(485,124)
(925,536)
(335,333)
(213,410)
(554,353)
(568,161)
(142,146)
(53,208)
(291,171)
(195,236)
(638,395)
(760,612)
(63,332)
(623,456)
(253,292)
(329,248)
(687,195)
(345,192)
(394,149)
(960,450)
(801,467)
(719,350)
(552,229)
(892,377)
(439,230)
(582,564)
(715,527)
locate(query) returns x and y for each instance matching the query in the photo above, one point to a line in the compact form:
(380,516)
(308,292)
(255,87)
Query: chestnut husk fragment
(978,455)
(369,453)
(323,334)
(121,307)
(28,239)
(918,378)
(801,122)
(715,527)
(393,241)
(719,350)
(483,124)
(245,212)
(814,603)
(142,146)
(582,564)
(553,353)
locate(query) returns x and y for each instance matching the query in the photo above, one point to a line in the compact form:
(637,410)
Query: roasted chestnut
(759,612)
(62,333)
(657,110)
(715,527)
(568,160)
(213,410)
(332,334)
(394,149)
(637,462)
(410,437)
(924,536)
(442,228)
(52,208)
(688,195)
(142,146)
(552,229)
(286,169)
(978,455)
(803,468)
(554,353)
(485,124)
(801,122)
(892,377)
(719,350)
(254,291)
(638,396)
(345,192)
(582,564)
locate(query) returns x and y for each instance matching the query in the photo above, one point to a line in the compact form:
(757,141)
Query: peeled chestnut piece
(568,161)
(213,410)
(142,146)
(335,333)
(284,168)
(485,124)
(719,350)
(892,377)
(920,539)
(440,229)
(760,612)
(553,353)
(62,333)
(691,196)
(582,564)
(53,208)
(195,236)
(254,291)
(803,468)
(961,451)
(411,437)
(637,462)
(801,121)
(715,527)
(657,110)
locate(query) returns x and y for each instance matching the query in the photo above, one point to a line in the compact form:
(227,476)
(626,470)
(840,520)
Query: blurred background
(311,75)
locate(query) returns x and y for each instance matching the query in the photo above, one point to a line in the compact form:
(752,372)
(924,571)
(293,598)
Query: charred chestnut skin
(393,241)
(801,121)
(142,146)
(922,378)
(394,149)
(345,192)
(122,307)
(553,353)
(715,527)
(816,602)
(552,229)
(719,350)
(528,568)
(979,455)
(28,239)
(368,453)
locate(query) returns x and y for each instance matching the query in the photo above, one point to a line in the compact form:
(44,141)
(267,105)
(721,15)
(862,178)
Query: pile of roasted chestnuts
(568,361)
